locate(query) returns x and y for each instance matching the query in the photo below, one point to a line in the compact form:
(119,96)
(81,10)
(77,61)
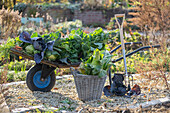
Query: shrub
(151,16)
(10,22)
(154,70)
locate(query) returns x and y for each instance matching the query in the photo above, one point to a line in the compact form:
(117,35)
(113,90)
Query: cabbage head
(52,57)
(30,49)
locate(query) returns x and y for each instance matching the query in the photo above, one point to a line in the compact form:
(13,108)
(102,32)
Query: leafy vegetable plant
(98,64)
(72,48)
(38,43)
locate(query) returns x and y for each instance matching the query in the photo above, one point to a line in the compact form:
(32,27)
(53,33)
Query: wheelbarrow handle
(127,43)
(135,51)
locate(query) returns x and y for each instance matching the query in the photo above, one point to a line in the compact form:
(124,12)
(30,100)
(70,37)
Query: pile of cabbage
(71,48)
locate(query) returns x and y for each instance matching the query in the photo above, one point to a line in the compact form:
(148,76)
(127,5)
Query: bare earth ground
(64,98)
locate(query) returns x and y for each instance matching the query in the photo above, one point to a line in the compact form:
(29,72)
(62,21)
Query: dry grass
(10,22)
(155,70)
(64,97)
(3,90)
(151,16)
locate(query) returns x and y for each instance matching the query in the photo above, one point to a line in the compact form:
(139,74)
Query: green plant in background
(134,37)
(20,76)
(66,101)
(10,23)
(103,4)
(19,65)
(98,64)
(5,49)
(145,57)
(156,70)
(49,26)
(62,71)
(31,9)
(20,7)
(111,24)
(17,70)
(56,71)
(12,76)
(7,3)
(69,25)
(132,62)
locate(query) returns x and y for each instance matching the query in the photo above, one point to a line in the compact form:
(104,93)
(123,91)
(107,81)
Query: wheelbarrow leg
(110,77)
(46,70)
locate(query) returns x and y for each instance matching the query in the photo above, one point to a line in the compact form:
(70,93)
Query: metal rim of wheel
(37,80)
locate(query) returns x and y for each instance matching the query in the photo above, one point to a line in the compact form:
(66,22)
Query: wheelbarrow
(41,77)
(118,77)
(117,87)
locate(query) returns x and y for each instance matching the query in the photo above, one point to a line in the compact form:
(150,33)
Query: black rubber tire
(32,86)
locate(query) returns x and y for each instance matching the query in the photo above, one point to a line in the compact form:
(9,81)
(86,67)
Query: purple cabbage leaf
(38,44)
(25,37)
(50,45)
(38,57)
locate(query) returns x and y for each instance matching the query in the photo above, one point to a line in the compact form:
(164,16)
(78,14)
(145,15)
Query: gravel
(64,98)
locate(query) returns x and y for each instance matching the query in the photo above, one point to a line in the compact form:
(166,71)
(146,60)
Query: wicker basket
(89,87)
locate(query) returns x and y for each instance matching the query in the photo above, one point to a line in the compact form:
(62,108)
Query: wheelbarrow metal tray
(53,64)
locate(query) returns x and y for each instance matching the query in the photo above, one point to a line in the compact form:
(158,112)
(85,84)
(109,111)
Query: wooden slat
(53,64)
(150,103)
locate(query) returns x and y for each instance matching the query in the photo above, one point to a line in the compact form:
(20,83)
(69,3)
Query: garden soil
(64,98)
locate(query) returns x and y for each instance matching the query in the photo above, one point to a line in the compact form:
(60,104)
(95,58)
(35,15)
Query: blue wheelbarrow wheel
(35,84)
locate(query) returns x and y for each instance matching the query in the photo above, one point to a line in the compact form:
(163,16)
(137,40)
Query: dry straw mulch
(64,97)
